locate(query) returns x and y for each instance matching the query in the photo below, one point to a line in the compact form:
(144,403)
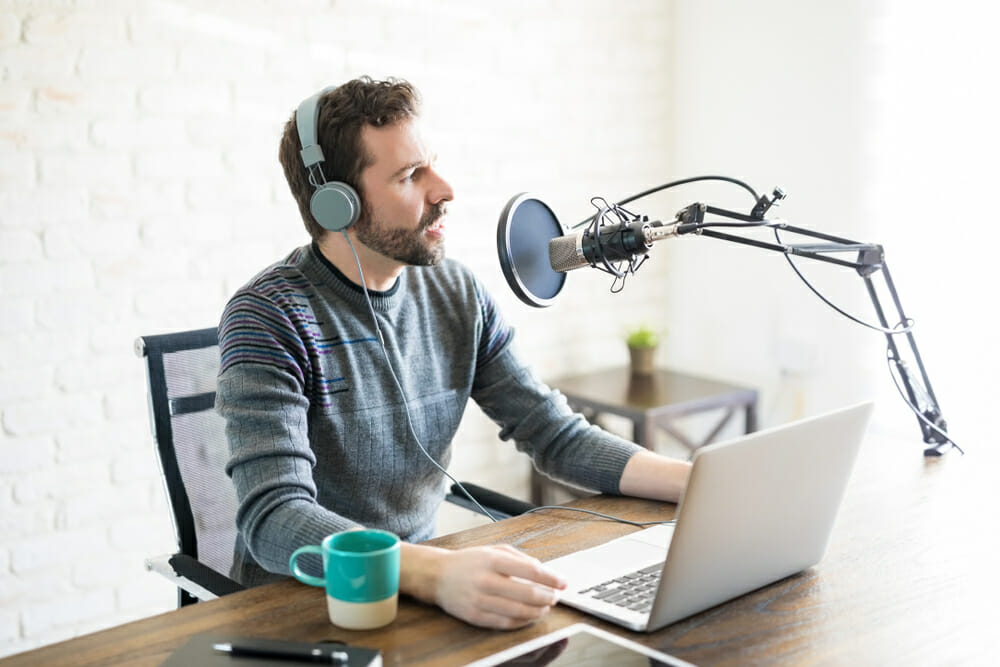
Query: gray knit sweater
(318,431)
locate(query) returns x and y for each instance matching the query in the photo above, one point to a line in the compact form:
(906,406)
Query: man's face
(403,196)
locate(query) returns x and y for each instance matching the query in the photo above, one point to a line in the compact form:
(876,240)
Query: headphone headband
(334,205)
(307,122)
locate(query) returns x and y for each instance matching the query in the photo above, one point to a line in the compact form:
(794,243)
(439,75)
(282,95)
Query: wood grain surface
(910,577)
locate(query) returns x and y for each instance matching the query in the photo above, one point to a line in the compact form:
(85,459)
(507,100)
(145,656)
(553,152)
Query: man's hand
(493,587)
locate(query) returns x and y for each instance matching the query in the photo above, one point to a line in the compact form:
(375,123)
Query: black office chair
(189,435)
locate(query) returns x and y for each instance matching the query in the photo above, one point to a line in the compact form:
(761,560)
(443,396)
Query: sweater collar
(335,278)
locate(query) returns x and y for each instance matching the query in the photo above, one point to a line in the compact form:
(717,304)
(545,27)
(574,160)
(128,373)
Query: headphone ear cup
(335,206)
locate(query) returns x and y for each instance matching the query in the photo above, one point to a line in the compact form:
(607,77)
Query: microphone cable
(893,361)
(595,222)
(674,184)
(905,326)
(893,372)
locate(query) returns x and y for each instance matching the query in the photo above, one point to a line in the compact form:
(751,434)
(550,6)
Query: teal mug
(360,575)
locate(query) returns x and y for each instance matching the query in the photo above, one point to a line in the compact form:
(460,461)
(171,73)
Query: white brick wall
(139,186)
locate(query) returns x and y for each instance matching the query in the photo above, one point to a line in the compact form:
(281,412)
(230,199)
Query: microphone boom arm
(869,262)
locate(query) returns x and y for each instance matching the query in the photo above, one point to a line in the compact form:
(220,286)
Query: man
(347,366)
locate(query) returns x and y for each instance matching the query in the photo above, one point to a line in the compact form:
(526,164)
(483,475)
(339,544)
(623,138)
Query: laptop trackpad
(606,561)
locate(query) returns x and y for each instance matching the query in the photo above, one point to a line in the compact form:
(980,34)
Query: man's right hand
(493,587)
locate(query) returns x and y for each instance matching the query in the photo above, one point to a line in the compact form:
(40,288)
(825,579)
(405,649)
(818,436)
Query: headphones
(335,205)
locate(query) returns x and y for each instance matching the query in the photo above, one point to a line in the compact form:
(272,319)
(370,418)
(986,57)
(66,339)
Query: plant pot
(642,360)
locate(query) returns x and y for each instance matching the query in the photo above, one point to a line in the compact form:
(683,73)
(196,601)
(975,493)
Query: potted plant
(642,342)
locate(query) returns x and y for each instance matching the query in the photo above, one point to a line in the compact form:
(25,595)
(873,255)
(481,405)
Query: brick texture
(139,186)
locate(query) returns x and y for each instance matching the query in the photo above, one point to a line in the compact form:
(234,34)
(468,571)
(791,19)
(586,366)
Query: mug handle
(298,573)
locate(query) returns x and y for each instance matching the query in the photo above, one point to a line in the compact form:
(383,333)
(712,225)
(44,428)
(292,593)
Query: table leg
(537,488)
(750,423)
(644,433)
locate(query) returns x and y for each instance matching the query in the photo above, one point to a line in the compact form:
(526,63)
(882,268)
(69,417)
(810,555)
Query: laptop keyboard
(634,590)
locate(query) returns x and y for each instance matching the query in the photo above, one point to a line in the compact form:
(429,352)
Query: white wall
(879,120)
(773,93)
(936,142)
(139,186)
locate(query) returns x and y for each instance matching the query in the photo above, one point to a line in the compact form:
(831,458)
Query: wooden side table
(652,402)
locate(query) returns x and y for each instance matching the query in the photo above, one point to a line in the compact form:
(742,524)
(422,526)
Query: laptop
(756,509)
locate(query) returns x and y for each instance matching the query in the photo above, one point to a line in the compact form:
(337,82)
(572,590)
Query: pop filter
(523,234)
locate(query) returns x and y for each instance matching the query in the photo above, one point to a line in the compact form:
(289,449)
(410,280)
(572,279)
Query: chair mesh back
(181,370)
(202,451)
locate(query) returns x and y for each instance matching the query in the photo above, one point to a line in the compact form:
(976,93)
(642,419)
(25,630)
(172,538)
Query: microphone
(528,226)
(536,250)
(612,243)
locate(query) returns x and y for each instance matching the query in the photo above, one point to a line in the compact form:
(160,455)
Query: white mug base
(362,615)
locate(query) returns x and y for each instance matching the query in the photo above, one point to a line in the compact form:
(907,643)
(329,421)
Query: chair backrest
(181,370)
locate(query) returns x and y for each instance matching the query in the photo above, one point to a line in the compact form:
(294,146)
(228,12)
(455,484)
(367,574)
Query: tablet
(580,645)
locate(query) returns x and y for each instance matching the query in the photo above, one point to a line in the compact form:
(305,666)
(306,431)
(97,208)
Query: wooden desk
(910,577)
(651,402)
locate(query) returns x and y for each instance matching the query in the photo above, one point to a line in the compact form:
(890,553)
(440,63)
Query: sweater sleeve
(538,419)
(260,394)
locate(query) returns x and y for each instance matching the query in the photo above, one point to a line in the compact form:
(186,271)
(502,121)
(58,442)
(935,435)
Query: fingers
(498,587)
(518,564)
(497,612)
(499,621)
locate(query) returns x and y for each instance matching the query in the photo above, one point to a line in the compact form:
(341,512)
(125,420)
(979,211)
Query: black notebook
(199,651)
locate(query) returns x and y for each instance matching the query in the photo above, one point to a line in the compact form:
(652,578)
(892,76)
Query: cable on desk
(640,524)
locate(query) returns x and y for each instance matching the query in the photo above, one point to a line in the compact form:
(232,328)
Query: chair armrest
(193,576)
(500,506)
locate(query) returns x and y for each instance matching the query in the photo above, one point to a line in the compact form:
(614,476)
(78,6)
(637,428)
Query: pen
(283,650)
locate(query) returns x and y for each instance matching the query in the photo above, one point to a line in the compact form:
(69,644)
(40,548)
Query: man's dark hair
(343,112)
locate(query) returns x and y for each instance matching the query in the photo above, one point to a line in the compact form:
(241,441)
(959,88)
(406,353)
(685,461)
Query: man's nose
(441,190)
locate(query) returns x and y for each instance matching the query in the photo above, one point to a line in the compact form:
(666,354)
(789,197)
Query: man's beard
(403,245)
